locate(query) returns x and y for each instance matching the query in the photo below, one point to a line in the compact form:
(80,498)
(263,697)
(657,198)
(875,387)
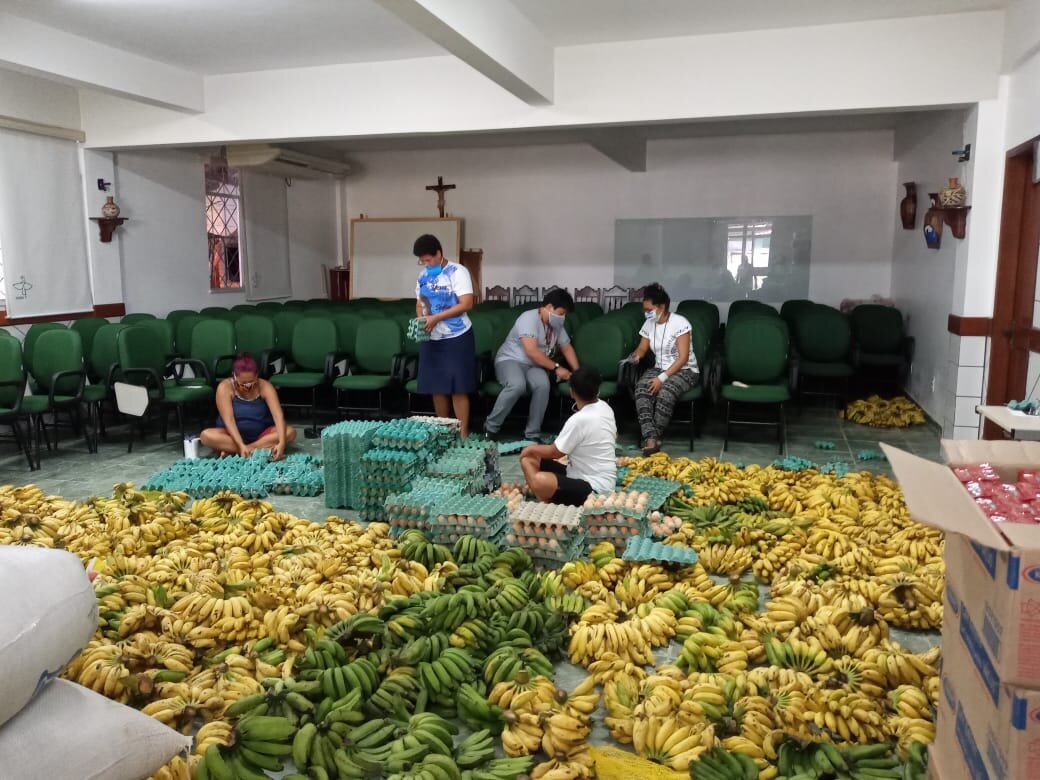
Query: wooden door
(1014,335)
(473,260)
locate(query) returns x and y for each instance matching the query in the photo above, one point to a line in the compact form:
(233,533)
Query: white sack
(69,732)
(48,613)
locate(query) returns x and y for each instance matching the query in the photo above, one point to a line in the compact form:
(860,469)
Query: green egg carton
(509,447)
(644,550)
(417,330)
(660,490)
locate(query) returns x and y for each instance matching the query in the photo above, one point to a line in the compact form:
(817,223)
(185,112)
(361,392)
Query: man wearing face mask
(675,365)
(525,363)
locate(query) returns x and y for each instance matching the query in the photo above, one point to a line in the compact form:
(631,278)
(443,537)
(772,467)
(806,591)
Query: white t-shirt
(588,440)
(441,292)
(664,339)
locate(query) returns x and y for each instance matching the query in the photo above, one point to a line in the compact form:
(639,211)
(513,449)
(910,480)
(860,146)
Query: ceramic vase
(110,210)
(933,223)
(953,194)
(908,206)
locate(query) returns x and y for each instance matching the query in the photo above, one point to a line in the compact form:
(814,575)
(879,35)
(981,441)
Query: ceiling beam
(491,36)
(38,50)
(625,147)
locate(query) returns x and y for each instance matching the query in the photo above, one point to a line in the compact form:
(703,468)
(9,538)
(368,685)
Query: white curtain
(265,207)
(42,232)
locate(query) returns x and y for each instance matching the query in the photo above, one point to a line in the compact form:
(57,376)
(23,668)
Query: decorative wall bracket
(957,219)
(108,226)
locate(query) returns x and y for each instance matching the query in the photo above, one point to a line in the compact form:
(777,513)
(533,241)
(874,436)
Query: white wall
(545,215)
(923,278)
(875,65)
(37,100)
(163,247)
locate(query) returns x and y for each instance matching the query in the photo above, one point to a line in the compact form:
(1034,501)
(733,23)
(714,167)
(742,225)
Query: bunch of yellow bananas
(878,412)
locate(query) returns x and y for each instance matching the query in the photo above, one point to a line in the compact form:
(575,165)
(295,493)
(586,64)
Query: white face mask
(556,320)
(653,315)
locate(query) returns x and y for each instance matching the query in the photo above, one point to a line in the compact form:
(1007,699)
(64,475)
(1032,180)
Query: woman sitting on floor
(250,415)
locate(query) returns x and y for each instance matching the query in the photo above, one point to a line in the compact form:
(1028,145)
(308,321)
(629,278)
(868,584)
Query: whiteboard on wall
(381,261)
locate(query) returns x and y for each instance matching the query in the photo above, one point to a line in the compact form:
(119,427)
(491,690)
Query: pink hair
(244,364)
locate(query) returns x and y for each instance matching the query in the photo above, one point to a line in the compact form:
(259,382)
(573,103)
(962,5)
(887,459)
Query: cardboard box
(992,569)
(944,765)
(985,729)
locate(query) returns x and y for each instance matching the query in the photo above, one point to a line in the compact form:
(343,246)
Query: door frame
(1012,335)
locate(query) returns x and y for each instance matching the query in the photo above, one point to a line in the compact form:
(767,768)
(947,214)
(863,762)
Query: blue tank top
(252,417)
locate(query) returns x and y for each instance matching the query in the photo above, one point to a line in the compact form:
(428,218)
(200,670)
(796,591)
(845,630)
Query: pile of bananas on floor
(333,650)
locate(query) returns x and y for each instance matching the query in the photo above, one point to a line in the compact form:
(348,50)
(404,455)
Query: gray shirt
(530,325)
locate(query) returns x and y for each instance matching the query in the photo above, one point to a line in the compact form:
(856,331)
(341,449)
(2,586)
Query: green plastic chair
(880,340)
(175,316)
(60,376)
(377,351)
(599,345)
(213,345)
(751,308)
(255,334)
(295,304)
(244,308)
(314,355)
(12,392)
(102,362)
(33,335)
(706,311)
(133,319)
(163,332)
(285,323)
(142,362)
(823,337)
(791,310)
(757,349)
(347,325)
(214,312)
(87,328)
(185,330)
(589,309)
(269,306)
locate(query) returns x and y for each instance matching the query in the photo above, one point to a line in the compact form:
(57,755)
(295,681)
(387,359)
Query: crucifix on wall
(440,188)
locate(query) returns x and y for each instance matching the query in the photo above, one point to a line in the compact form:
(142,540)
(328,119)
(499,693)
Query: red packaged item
(987,506)
(1031,476)
(1028,491)
(966,474)
(987,473)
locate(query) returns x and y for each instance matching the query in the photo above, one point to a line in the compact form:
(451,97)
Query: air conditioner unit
(284,162)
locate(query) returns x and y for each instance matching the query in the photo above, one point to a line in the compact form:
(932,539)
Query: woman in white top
(674,372)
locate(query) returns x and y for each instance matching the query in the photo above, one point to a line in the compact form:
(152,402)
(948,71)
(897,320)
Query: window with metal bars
(223,215)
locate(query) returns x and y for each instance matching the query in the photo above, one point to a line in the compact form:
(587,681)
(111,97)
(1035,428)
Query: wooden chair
(524,295)
(588,295)
(497,293)
(473,261)
(549,289)
(636,295)
(616,297)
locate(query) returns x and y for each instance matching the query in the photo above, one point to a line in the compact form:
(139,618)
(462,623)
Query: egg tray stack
(643,550)
(493,477)
(252,477)
(413,435)
(658,490)
(464,464)
(204,477)
(418,507)
(550,533)
(482,516)
(448,427)
(296,475)
(384,472)
(343,445)
(616,517)
(417,330)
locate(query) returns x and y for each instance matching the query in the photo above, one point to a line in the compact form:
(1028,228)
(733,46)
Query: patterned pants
(655,411)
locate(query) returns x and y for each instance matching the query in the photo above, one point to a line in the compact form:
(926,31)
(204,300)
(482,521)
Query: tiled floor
(74,473)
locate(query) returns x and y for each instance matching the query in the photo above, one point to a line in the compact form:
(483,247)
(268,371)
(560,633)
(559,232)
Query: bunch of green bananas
(796,761)
(721,764)
(260,744)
